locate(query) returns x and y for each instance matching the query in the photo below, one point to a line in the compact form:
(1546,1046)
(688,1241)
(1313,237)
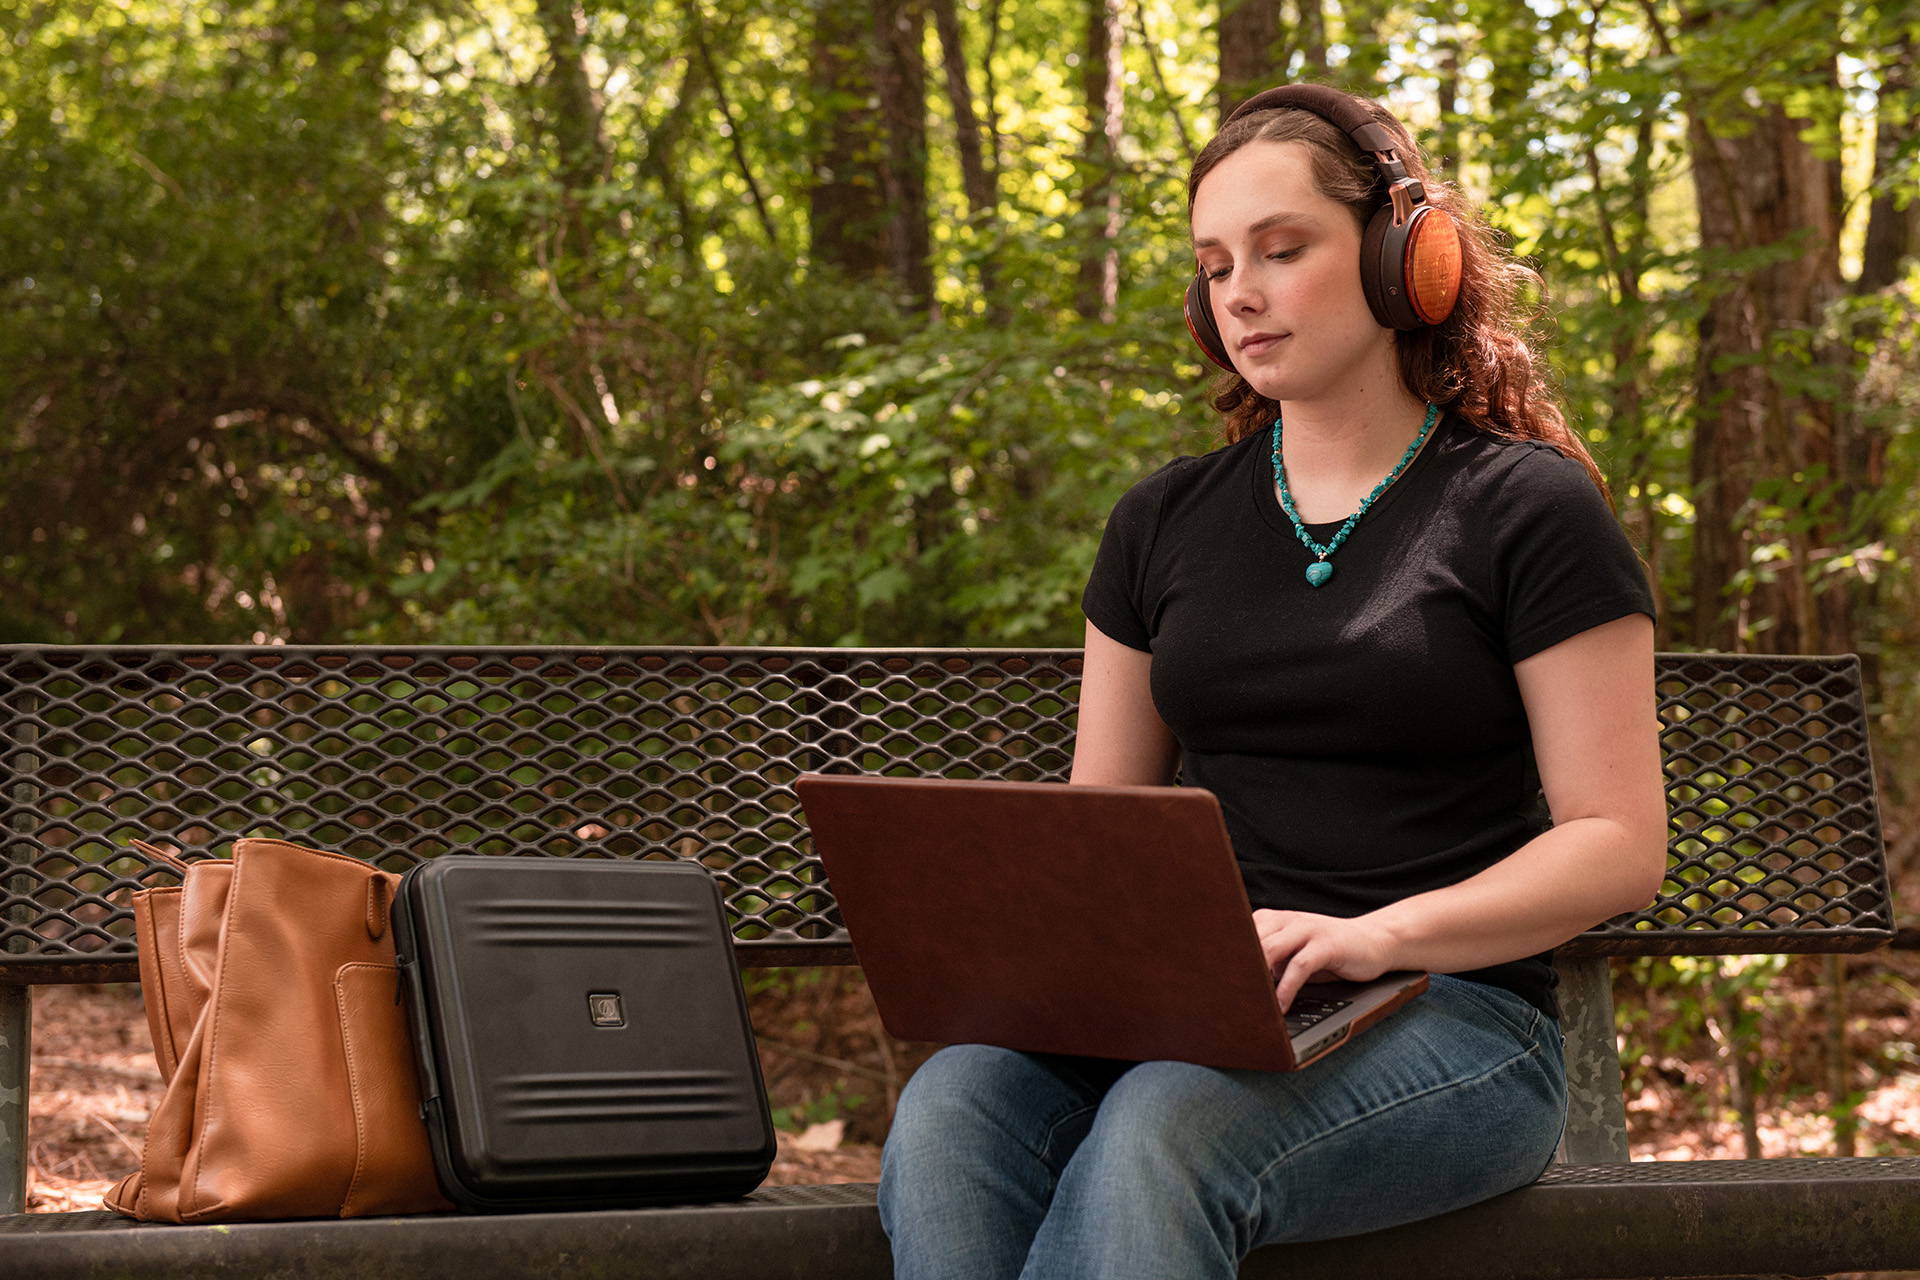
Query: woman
(1378,624)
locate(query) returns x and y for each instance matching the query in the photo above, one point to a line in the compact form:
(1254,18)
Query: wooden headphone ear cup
(1199,310)
(1433,265)
(1411,273)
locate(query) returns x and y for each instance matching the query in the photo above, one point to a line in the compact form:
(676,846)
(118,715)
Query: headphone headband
(1341,108)
(1344,111)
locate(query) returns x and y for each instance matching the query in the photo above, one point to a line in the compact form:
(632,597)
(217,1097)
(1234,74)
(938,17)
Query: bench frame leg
(16,1039)
(1597,1114)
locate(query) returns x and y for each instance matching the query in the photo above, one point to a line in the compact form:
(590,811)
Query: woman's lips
(1254,346)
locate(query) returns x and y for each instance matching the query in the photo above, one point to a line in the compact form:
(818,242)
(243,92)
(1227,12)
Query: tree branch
(981,197)
(662,141)
(1160,78)
(733,129)
(1608,243)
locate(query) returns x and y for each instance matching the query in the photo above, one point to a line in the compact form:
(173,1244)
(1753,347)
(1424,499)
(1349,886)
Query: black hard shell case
(582,1033)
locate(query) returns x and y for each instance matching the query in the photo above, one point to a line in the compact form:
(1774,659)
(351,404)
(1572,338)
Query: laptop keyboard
(1306,1011)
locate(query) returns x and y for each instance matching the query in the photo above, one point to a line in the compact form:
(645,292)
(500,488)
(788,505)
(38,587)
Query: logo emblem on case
(604,1008)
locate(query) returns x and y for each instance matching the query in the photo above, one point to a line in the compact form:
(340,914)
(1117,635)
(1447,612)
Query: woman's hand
(1302,947)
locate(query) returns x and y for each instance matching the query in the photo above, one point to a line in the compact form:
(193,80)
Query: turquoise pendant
(1318,572)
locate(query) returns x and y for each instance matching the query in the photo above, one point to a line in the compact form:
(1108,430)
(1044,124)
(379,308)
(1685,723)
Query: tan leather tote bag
(270,989)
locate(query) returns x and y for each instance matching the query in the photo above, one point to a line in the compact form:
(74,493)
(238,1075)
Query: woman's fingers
(1294,950)
(1301,947)
(1284,933)
(1302,969)
(1271,925)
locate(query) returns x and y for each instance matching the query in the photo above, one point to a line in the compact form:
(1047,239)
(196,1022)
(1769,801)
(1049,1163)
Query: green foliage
(348,322)
(833,1104)
(787,1003)
(951,488)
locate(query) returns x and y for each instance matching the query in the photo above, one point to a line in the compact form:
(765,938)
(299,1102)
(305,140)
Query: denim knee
(1158,1187)
(963,1086)
(1171,1131)
(973,1095)
(978,1140)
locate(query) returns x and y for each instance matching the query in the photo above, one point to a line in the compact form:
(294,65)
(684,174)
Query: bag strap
(152,850)
(379,906)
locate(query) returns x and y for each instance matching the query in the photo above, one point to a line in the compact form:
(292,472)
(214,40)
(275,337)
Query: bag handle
(379,905)
(152,850)
(379,888)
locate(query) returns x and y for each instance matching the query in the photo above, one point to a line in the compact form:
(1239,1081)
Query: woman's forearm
(1558,884)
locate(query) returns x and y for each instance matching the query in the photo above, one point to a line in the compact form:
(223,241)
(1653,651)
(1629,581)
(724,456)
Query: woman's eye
(1221,273)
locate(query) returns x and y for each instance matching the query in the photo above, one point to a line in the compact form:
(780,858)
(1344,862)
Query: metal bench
(398,755)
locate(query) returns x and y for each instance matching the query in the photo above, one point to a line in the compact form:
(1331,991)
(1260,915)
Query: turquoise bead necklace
(1319,571)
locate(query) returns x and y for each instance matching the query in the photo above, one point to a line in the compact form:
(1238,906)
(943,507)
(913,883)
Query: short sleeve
(1562,564)
(1115,598)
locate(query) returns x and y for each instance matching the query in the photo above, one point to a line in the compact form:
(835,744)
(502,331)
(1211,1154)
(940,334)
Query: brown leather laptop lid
(1105,921)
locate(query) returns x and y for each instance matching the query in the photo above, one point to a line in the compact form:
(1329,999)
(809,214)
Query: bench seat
(1579,1222)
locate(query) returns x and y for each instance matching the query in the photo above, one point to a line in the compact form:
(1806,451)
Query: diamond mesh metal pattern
(1773,823)
(1680,1173)
(398,755)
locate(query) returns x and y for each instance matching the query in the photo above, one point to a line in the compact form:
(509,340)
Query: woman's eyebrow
(1285,218)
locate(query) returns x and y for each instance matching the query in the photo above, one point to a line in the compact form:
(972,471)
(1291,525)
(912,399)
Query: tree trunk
(1893,234)
(1893,238)
(974,145)
(1758,183)
(1623,225)
(1102,80)
(736,134)
(975,180)
(1313,38)
(317,589)
(663,157)
(846,206)
(1249,40)
(868,203)
(1445,155)
(1626,410)
(900,33)
(573,111)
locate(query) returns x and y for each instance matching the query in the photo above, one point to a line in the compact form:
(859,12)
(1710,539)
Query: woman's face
(1283,268)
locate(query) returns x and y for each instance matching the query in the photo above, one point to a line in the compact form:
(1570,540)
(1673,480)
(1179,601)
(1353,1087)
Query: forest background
(846,321)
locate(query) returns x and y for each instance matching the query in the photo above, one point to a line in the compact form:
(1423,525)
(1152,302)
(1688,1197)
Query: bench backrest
(398,755)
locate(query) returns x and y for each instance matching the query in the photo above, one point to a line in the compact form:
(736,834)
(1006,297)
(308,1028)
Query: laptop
(1106,922)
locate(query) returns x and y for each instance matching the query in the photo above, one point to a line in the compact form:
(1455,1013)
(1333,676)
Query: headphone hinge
(1405,194)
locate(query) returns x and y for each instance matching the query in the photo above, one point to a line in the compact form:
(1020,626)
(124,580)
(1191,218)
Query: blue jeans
(1003,1164)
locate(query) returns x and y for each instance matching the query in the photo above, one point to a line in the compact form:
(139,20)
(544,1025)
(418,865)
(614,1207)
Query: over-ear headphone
(1410,253)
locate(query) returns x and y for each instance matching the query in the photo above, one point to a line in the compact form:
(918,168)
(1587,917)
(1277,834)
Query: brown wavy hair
(1479,362)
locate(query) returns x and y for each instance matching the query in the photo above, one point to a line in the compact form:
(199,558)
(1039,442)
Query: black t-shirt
(1366,738)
